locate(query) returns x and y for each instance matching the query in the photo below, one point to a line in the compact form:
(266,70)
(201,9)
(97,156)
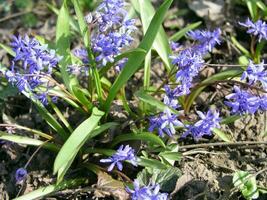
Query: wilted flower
(242,102)
(21,174)
(123,154)
(259,28)
(165,122)
(254,73)
(204,126)
(150,192)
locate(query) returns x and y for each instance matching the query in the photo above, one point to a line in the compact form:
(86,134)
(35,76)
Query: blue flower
(112,33)
(165,122)
(259,28)
(204,126)
(36,61)
(242,102)
(254,73)
(123,154)
(20,175)
(189,64)
(150,192)
(263,102)
(206,39)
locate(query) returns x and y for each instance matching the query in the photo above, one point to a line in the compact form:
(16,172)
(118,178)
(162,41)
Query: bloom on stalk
(165,123)
(189,64)
(259,28)
(36,61)
(204,126)
(124,153)
(242,102)
(206,39)
(111,34)
(150,192)
(255,73)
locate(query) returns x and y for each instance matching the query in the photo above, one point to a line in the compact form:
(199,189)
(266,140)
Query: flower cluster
(165,122)
(204,126)
(206,39)
(243,102)
(256,73)
(189,61)
(259,28)
(112,33)
(36,61)
(123,154)
(150,192)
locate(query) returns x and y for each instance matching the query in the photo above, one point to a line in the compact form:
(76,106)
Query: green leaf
(143,96)
(252,7)
(168,155)
(247,184)
(230,119)
(149,137)
(177,36)
(161,43)
(27,141)
(76,140)
(85,32)
(225,137)
(134,62)
(8,49)
(126,54)
(220,76)
(74,25)
(151,163)
(63,43)
(240,47)
(49,118)
(44,191)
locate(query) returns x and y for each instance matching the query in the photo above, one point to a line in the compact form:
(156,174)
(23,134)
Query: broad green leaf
(225,137)
(8,49)
(151,163)
(48,190)
(27,141)
(220,76)
(76,140)
(247,184)
(161,43)
(135,61)
(148,137)
(143,96)
(74,25)
(63,44)
(168,155)
(81,96)
(177,36)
